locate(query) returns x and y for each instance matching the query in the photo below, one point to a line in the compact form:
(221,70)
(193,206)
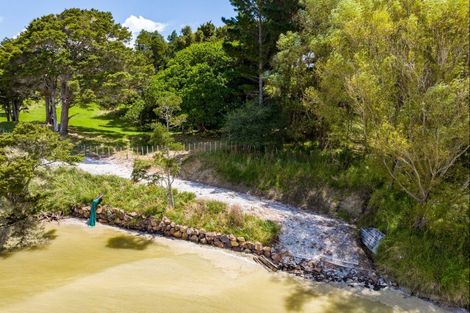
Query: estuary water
(104,269)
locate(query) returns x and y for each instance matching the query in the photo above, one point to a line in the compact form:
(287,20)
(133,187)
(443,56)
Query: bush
(254,125)
(426,246)
(140,169)
(235,216)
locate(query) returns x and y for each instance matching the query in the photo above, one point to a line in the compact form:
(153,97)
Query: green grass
(64,189)
(433,259)
(285,170)
(88,124)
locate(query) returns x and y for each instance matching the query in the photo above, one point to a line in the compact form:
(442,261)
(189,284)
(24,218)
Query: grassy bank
(426,246)
(66,188)
(88,124)
(328,183)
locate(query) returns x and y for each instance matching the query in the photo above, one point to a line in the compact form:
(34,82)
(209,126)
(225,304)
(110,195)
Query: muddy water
(106,270)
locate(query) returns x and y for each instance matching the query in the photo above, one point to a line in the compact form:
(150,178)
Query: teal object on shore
(94,205)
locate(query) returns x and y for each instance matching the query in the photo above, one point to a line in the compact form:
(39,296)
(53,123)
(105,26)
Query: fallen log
(265,262)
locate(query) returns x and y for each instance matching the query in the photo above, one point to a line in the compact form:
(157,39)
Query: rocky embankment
(270,257)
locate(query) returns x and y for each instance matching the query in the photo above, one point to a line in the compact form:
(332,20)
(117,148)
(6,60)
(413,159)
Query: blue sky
(161,15)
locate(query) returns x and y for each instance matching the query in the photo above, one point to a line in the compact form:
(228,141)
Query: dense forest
(381,86)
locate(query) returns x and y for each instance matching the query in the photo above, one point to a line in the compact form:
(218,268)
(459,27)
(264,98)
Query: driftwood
(264,261)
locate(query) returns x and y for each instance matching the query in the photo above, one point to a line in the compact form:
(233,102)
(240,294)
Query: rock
(276,258)
(184,235)
(203,241)
(172,224)
(189,231)
(194,238)
(232,237)
(240,239)
(218,243)
(177,234)
(234,244)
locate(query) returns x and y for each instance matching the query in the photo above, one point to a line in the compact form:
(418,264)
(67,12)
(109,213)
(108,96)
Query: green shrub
(254,125)
(426,246)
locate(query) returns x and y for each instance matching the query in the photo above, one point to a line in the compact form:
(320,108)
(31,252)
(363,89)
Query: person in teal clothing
(94,205)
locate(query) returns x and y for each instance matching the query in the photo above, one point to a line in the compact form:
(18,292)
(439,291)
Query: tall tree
(14,86)
(94,45)
(201,76)
(43,48)
(252,36)
(154,47)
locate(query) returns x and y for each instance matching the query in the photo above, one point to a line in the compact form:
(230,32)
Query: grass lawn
(88,125)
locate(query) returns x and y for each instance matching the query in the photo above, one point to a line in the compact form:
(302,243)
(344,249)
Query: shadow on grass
(93,137)
(128,242)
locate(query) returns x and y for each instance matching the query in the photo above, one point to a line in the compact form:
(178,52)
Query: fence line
(190,147)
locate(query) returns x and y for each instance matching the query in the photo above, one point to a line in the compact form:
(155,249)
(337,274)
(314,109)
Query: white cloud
(137,23)
(17,35)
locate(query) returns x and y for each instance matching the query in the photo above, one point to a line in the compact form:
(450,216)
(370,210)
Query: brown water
(105,270)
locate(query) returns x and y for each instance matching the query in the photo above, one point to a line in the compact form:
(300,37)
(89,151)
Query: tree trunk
(64,115)
(47,100)
(260,60)
(15,112)
(53,111)
(64,119)
(171,201)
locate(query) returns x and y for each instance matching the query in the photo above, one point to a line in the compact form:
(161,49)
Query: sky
(162,15)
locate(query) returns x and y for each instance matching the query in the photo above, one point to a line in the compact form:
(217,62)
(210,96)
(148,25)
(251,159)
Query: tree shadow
(128,242)
(297,299)
(41,241)
(337,301)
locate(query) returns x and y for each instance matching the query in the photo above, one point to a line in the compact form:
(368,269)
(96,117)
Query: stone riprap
(318,270)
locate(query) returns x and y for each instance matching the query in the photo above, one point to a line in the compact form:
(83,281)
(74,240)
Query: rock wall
(265,255)
(165,227)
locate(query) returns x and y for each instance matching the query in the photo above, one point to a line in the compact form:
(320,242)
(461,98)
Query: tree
(154,47)
(201,75)
(168,108)
(253,33)
(45,60)
(23,153)
(205,32)
(95,44)
(386,80)
(14,88)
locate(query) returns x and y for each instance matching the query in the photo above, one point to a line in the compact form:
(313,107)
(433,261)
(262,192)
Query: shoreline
(389,295)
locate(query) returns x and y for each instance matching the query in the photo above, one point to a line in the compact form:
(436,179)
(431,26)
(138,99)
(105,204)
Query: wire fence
(189,147)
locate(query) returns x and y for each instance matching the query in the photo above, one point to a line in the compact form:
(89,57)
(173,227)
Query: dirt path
(304,235)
